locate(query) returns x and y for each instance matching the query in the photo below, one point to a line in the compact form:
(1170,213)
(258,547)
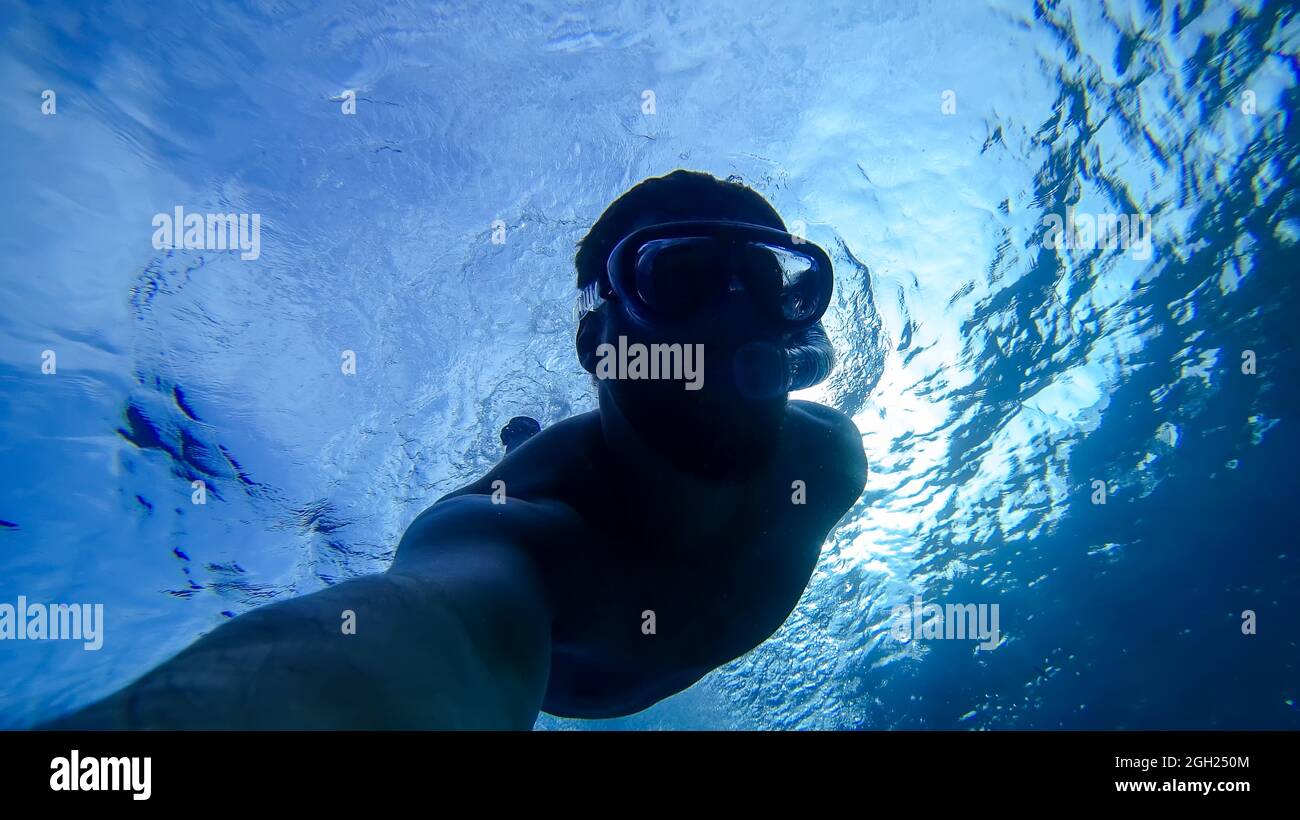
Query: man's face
(725,420)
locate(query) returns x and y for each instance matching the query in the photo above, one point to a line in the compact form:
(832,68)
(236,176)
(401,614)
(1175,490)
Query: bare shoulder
(832,444)
(480,521)
(535,468)
(512,511)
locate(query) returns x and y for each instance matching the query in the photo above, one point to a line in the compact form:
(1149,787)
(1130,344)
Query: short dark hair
(674,197)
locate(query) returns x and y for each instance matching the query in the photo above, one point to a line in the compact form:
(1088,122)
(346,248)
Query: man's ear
(590,329)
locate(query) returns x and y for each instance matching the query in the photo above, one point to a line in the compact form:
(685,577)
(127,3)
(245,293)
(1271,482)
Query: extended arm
(455,635)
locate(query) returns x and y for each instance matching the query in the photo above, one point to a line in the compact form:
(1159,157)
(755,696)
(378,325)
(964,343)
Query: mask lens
(676,277)
(785,276)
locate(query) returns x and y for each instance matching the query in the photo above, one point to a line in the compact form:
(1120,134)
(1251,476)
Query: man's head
(723,422)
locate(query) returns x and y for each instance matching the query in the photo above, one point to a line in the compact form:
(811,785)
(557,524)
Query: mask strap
(589,299)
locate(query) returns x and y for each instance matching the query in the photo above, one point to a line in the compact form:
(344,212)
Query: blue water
(923,144)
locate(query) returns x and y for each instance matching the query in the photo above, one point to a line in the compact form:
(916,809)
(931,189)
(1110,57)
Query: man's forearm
(411,663)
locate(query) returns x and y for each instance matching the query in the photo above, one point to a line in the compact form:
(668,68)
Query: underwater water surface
(996,376)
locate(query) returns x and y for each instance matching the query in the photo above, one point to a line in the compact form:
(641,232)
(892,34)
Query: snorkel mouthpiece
(811,357)
(763,370)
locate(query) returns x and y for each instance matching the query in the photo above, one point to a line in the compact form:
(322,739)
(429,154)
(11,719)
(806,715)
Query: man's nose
(737,315)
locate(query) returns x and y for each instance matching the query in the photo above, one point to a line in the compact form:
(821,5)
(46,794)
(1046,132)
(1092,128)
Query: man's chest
(656,603)
(648,604)
(640,631)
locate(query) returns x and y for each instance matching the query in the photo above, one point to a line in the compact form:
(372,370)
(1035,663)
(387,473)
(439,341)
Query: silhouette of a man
(628,551)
